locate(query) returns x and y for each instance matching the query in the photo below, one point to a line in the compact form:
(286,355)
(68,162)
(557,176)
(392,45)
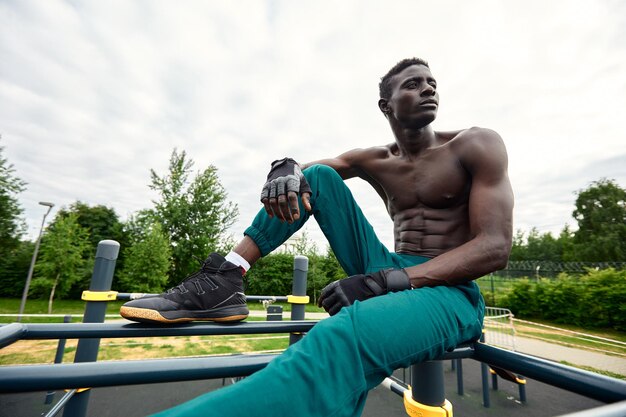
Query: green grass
(597,371)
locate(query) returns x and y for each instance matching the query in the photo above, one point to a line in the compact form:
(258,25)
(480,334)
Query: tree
(147,260)
(100,223)
(194,214)
(601,216)
(11,225)
(14,265)
(536,246)
(61,262)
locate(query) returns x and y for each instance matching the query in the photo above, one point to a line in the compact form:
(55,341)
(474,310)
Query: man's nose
(428,90)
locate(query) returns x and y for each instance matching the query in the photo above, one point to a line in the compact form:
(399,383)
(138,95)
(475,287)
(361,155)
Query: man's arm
(347,164)
(490,208)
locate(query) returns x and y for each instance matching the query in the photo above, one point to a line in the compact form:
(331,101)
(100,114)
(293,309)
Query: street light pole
(32,262)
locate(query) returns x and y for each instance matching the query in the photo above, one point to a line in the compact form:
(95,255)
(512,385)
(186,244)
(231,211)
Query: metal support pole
(58,358)
(31,269)
(427,383)
(299,298)
(427,396)
(459,376)
(87,349)
(484,370)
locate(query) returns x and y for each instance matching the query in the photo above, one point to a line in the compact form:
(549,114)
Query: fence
(427,391)
(548,269)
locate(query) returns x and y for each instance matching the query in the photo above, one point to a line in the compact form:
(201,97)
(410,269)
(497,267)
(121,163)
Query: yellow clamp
(99,295)
(415,409)
(298,299)
(78,390)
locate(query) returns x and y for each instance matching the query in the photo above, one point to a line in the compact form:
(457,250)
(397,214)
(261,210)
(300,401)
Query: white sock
(235,258)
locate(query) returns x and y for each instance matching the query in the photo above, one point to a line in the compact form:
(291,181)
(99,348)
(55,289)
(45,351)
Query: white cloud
(95,94)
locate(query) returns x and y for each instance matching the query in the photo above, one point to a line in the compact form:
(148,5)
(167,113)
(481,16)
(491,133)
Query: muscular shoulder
(480,148)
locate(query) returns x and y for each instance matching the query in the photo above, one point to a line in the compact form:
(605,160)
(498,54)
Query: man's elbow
(499,254)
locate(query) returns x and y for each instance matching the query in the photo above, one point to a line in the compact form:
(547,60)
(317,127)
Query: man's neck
(413,141)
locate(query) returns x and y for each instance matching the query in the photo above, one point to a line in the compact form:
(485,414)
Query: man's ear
(383,105)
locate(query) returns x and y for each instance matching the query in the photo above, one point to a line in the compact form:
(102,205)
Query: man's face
(414,99)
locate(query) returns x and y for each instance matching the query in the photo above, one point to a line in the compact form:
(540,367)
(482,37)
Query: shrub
(597,299)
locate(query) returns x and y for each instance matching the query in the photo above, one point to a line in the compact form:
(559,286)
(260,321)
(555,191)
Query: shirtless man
(450,200)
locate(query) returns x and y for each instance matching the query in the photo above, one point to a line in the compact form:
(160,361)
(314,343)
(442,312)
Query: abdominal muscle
(430,232)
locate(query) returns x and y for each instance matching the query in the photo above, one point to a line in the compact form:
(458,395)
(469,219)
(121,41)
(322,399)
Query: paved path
(554,352)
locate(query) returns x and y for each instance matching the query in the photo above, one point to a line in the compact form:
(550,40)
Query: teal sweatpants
(330,371)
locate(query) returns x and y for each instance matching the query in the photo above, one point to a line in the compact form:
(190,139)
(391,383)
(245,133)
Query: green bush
(597,299)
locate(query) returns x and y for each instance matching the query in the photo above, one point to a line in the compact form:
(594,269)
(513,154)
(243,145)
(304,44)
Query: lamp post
(32,262)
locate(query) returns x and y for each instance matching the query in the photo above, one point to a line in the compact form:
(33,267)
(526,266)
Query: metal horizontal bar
(26,378)
(37,331)
(281,298)
(394,385)
(125,296)
(461,352)
(589,384)
(611,410)
(11,333)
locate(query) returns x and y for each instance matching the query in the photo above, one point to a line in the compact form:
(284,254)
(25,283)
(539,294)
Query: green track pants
(330,371)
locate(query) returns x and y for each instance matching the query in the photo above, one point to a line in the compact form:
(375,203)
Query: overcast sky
(94,94)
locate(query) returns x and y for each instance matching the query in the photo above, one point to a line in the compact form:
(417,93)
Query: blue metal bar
(598,387)
(125,296)
(41,331)
(87,349)
(58,358)
(300,269)
(484,376)
(281,298)
(459,376)
(427,383)
(395,385)
(611,410)
(11,333)
(59,406)
(26,378)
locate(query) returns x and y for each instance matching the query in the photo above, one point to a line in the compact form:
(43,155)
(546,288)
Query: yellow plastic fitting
(99,295)
(298,299)
(415,409)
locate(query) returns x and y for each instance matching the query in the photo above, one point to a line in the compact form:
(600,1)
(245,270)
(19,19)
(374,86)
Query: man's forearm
(460,265)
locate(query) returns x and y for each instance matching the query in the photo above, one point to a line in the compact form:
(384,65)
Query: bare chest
(436,181)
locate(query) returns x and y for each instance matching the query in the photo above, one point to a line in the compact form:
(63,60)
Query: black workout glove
(345,292)
(285,176)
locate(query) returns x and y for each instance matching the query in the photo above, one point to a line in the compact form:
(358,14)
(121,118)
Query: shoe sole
(145,315)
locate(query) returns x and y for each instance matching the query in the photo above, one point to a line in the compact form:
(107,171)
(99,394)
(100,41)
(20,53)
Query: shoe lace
(181,287)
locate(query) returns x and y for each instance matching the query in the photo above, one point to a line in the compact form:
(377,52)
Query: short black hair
(384,88)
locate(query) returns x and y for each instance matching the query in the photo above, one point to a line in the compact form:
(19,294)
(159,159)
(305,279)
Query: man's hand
(345,292)
(280,193)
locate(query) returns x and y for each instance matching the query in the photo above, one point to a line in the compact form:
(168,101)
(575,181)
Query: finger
(272,187)
(266,205)
(280,187)
(334,309)
(329,301)
(294,208)
(265,192)
(273,202)
(284,208)
(306,201)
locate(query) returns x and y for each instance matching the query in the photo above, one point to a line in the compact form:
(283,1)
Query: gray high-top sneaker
(215,293)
